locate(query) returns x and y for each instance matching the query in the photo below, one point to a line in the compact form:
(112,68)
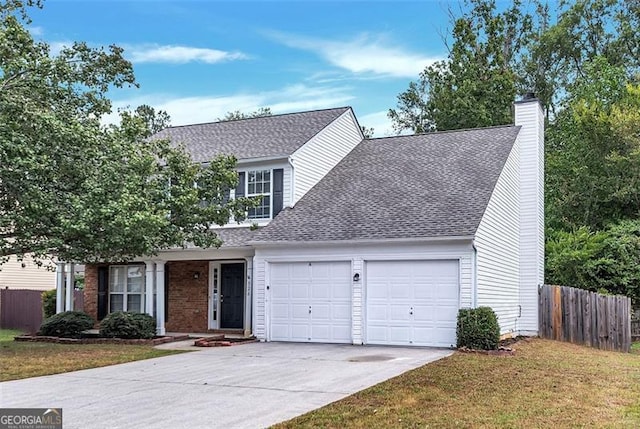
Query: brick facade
(188,297)
(91,290)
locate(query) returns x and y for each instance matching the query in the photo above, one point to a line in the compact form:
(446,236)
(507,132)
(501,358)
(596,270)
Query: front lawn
(546,384)
(25,359)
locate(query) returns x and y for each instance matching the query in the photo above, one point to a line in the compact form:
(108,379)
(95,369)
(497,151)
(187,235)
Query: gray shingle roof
(422,186)
(236,237)
(269,136)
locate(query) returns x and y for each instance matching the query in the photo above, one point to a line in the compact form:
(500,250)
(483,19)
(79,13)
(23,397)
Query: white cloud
(56,46)
(152,53)
(381,124)
(363,54)
(36,31)
(207,108)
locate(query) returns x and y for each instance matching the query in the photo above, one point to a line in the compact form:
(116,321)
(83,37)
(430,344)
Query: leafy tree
(366,131)
(593,156)
(155,121)
(476,85)
(557,52)
(498,54)
(602,260)
(75,189)
(235,115)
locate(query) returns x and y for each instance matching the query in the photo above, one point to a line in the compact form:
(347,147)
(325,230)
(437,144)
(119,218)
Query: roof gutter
(363,241)
(263,159)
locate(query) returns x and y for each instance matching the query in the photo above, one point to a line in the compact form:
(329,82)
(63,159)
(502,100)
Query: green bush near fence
(478,329)
(49,303)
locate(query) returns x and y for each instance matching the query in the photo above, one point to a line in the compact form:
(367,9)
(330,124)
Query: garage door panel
(299,311)
(299,291)
(377,291)
(399,313)
(412,302)
(341,312)
(398,291)
(322,287)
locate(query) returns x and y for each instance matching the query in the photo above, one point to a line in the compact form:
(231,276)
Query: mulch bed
(58,340)
(503,348)
(222,341)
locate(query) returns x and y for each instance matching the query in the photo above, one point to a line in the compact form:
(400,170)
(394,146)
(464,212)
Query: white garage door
(412,302)
(310,302)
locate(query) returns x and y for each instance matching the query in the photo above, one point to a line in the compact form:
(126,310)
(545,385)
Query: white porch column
(148,286)
(160,297)
(59,287)
(68,302)
(248,300)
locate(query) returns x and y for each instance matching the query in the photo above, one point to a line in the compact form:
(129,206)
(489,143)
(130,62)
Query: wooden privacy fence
(22,308)
(583,317)
(635,330)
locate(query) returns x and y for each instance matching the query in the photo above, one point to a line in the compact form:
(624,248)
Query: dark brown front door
(232,299)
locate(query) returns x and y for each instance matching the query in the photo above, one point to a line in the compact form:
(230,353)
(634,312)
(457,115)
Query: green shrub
(68,324)
(122,324)
(49,303)
(478,329)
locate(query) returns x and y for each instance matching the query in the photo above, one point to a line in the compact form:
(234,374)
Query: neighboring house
(376,241)
(26,274)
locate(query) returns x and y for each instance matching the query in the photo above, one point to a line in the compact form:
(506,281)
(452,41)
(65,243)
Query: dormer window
(259,183)
(266,183)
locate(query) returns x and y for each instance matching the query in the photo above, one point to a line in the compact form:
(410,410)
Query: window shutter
(240,187)
(103,292)
(277,190)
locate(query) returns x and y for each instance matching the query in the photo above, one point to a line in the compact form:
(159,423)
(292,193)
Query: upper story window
(266,183)
(259,183)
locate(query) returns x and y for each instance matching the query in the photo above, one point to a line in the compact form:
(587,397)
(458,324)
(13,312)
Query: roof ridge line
(259,117)
(445,132)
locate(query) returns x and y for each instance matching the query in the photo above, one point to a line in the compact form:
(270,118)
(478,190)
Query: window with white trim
(259,183)
(126,288)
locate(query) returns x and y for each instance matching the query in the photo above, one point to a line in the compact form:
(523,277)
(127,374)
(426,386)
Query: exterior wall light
(356,277)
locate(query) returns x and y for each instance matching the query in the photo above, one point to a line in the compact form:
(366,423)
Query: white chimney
(529,115)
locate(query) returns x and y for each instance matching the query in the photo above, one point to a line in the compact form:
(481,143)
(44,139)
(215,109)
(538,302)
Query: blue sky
(200,59)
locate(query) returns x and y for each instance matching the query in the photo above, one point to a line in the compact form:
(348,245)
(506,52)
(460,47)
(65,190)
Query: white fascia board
(361,241)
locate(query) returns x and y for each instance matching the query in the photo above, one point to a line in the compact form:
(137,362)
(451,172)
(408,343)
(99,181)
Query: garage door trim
(345,299)
(403,258)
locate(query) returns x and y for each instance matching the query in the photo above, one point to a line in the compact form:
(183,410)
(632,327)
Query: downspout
(474,274)
(292,192)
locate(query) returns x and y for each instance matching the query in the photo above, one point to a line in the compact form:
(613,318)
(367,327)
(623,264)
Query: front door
(232,296)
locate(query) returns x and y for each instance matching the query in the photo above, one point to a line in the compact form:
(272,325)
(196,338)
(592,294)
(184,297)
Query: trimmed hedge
(122,324)
(478,329)
(68,324)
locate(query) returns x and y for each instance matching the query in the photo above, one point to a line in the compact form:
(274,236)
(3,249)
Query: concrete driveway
(244,386)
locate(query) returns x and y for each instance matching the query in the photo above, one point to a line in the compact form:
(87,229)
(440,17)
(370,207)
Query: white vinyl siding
(530,116)
(322,152)
(14,276)
(498,247)
(358,255)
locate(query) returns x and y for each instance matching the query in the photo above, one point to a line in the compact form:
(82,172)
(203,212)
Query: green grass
(8,334)
(546,384)
(635,347)
(24,359)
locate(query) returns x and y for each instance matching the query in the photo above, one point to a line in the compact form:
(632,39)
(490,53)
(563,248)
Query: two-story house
(363,241)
